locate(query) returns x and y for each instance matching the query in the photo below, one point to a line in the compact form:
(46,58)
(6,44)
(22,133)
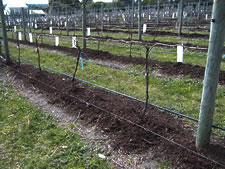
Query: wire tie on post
(81,61)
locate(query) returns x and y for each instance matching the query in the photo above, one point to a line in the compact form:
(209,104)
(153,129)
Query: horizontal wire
(129,121)
(122,94)
(134,42)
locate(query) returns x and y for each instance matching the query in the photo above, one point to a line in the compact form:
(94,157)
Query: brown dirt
(125,136)
(167,68)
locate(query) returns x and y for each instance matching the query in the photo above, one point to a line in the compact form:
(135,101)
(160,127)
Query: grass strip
(162,54)
(30,138)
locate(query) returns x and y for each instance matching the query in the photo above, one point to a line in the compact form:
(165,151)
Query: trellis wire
(122,94)
(135,43)
(129,121)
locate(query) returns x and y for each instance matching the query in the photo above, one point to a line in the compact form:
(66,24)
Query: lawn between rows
(121,35)
(161,54)
(182,95)
(30,138)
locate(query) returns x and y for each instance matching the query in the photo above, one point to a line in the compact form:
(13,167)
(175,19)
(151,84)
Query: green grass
(182,95)
(121,35)
(30,138)
(161,54)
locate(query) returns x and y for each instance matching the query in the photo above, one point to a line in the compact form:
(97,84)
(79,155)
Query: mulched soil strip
(125,136)
(167,68)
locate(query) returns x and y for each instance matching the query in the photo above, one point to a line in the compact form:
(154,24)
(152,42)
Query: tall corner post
(215,51)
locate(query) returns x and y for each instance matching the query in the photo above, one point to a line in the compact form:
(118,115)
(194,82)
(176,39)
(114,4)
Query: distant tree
(122,3)
(64,3)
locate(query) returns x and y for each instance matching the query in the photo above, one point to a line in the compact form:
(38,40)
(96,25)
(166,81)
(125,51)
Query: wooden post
(109,15)
(18,46)
(5,38)
(24,25)
(102,16)
(181,7)
(76,67)
(29,17)
(132,16)
(199,9)
(0,47)
(158,6)
(7,20)
(67,24)
(131,35)
(84,24)
(128,18)
(38,52)
(215,51)
(139,20)
(95,13)
(98,41)
(146,79)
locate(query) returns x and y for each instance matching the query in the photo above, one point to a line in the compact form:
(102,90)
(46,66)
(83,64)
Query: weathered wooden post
(102,16)
(5,38)
(199,8)
(7,20)
(29,18)
(215,51)
(158,6)
(139,20)
(67,24)
(84,24)
(24,24)
(181,8)
(132,16)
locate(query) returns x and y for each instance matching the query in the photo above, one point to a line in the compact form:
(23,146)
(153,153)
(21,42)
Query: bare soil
(122,119)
